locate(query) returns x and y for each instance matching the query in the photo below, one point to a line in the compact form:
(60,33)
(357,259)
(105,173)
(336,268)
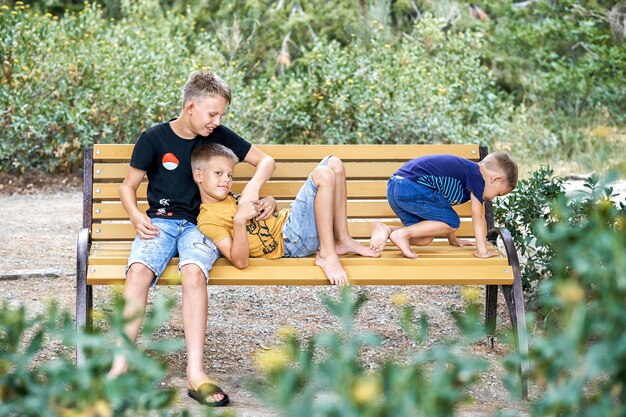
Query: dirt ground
(38,228)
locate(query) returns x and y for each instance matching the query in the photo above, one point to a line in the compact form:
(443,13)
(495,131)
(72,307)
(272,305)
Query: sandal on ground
(206,390)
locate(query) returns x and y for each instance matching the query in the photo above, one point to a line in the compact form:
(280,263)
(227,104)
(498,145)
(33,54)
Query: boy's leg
(147,260)
(324,208)
(421,233)
(197,254)
(344,243)
(425,213)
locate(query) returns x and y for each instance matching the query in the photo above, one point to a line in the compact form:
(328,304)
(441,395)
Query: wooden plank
(123,152)
(357,209)
(393,257)
(313,275)
(125,231)
(284,170)
(277,189)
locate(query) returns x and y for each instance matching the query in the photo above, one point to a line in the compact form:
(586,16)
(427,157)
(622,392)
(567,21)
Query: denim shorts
(300,230)
(176,237)
(413,203)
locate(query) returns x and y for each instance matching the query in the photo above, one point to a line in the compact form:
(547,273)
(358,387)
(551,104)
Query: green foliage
(427,88)
(327,378)
(580,361)
(34,385)
(70,82)
(520,212)
(560,56)
(529,208)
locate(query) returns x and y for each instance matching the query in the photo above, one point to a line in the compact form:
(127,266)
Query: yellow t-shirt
(265,237)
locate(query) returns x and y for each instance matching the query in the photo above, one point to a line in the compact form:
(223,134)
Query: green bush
(326,377)
(579,363)
(71,81)
(559,56)
(530,207)
(40,386)
(430,87)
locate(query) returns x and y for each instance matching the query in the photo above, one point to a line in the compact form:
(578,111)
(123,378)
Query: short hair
(500,161)
(202,84)
(203,154)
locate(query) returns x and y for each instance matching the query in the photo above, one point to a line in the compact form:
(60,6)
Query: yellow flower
(5,7)
(272,360)
(471,294)
(387,46)
(399,299)
(287,332)
(570,293)
(366,390)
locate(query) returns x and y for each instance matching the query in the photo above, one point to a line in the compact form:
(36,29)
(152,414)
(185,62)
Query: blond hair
(501,162)
(202,84)
(203,154)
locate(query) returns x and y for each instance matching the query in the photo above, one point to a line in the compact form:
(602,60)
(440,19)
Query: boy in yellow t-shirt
(317,219)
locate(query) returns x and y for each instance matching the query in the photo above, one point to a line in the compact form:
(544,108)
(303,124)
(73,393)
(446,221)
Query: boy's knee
(323,175)
(336,165)
(192,276)
(139,275)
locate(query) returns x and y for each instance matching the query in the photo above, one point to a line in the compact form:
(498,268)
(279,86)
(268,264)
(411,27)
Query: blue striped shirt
(454,177)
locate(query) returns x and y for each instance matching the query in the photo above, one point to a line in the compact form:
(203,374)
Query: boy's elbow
(242,263)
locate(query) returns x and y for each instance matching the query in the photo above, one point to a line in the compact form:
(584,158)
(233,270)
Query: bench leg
(491,308)
(514,296)
(84,292)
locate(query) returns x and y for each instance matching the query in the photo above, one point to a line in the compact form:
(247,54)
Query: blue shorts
(300,230)
(176,236)
(414,202)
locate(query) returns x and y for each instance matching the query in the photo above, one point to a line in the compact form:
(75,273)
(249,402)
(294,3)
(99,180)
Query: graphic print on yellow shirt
(265,237)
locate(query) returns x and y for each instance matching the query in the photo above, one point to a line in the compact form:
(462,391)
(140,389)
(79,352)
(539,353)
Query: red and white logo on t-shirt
(170,162)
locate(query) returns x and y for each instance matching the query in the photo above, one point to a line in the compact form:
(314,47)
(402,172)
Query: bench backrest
(368,168)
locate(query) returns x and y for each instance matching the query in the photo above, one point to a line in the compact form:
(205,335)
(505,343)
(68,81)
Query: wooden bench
(105,239)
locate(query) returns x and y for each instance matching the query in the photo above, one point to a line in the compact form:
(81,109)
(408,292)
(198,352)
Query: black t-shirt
(166,158)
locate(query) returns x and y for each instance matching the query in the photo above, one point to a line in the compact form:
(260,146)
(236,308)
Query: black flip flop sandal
(205,390)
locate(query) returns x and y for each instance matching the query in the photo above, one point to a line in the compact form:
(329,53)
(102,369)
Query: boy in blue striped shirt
(423,191)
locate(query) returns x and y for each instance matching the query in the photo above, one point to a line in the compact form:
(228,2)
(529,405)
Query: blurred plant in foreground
(326,377)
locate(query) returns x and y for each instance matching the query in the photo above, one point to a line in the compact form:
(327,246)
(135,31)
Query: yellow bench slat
(284,170)
(125,231)
(123,152)
(356,209)
(313,275)
(277,189)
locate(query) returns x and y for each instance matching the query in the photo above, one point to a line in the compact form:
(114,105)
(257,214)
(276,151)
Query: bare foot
(402,243)
(380,234)
(352,246)
(333,269)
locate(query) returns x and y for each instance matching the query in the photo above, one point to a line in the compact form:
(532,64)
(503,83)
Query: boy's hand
(144,227)
(485,254)
(246,210)
(267,206)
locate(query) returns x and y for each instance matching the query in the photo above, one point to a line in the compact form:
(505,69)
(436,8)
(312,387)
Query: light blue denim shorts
(176,237)
(300,230)
(413,203)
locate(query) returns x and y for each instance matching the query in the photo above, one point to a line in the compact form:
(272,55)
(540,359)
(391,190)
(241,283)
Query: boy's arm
(236,249)
(128,195)
(265,166)
(480,229)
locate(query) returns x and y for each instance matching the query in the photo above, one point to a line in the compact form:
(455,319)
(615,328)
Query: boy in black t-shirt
(163,153)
